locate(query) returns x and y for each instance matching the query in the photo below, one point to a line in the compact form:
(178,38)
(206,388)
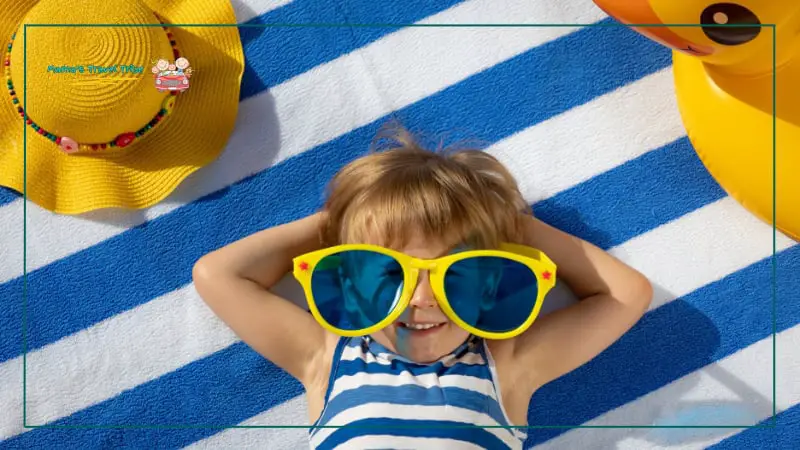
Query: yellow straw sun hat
(108,117)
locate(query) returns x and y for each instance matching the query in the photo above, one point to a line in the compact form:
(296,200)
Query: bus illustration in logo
(172,77)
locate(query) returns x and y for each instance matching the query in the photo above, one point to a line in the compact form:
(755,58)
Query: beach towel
(106,344)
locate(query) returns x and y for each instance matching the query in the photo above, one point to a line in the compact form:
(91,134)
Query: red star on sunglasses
(303,266)
(546,275)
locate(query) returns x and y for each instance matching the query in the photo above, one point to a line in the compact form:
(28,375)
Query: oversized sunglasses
(358,289)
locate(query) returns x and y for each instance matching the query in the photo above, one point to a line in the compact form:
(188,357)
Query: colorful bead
(69,145)
(124,139)
(168,105)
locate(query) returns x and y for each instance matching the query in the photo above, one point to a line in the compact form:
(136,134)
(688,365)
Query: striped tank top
(389,402)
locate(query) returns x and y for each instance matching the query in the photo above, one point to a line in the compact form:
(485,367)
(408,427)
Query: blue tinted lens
(356,289)
(491,293)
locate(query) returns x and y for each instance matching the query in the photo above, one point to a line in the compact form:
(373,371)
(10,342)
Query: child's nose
(423,293)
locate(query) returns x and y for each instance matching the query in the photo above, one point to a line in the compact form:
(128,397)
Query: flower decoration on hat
(69,145)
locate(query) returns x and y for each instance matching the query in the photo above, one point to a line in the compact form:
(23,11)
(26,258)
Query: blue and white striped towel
(118,340)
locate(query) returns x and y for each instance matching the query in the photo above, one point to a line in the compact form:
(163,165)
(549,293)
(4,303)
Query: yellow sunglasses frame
(540,264)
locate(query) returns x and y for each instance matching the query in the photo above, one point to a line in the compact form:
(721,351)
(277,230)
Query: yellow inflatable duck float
(724,87)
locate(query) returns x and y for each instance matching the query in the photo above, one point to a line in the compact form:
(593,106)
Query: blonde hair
(402,189)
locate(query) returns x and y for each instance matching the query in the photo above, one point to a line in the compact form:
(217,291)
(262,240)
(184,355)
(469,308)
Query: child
(416,382)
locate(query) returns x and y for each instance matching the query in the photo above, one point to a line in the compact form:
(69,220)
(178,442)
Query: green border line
(401,25)
(24,228)
(774,227)
(367,427)
(773,423)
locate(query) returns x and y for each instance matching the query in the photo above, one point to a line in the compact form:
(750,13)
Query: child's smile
(420,326)
(419,330)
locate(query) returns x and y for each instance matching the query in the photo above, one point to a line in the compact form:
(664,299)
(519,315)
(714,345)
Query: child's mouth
(421,328)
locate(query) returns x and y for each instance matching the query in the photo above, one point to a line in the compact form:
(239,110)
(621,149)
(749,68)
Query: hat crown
(90,83)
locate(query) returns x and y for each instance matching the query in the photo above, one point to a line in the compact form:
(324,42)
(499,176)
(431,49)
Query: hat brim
(149,169)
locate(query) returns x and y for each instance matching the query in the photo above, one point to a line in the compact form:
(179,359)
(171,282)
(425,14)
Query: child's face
(422,345)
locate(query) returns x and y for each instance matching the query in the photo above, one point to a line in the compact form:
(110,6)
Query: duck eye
(730,14)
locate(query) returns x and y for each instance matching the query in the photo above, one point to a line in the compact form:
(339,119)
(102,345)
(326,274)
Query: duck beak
(633,12)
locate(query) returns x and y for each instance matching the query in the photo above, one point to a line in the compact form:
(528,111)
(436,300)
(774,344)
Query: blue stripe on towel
(8,196)
(714,321)
(124,282)
(236,384)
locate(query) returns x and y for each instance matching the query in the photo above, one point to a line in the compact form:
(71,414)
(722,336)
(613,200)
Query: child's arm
(613,297)
(234,282)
